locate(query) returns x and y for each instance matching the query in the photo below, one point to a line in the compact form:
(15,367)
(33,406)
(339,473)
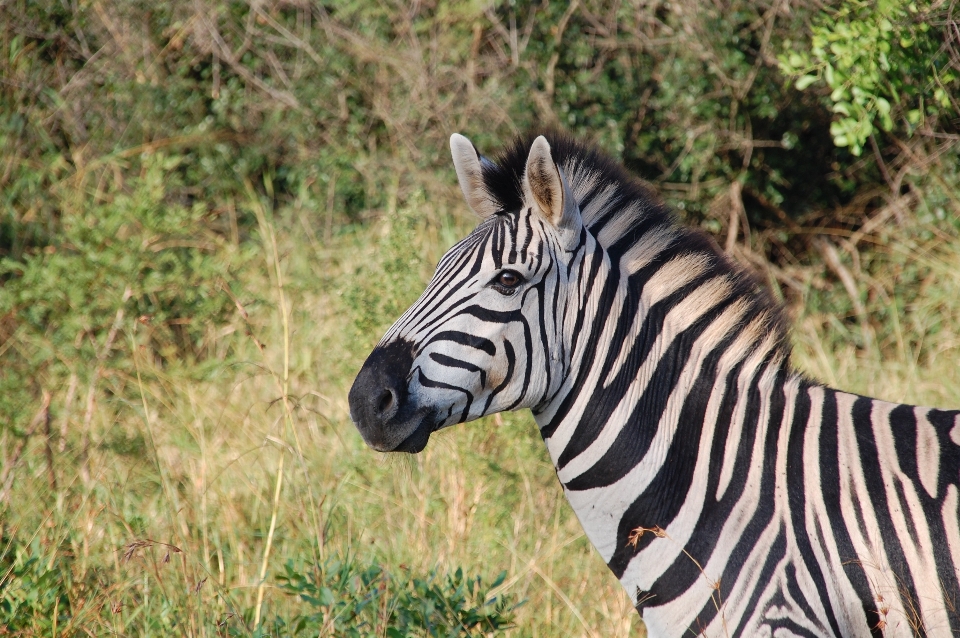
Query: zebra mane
(629,219)
(607,194)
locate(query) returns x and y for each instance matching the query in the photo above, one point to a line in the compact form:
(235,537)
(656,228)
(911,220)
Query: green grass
(201,502)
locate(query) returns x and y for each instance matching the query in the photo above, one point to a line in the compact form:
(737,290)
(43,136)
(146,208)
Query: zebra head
(480,339)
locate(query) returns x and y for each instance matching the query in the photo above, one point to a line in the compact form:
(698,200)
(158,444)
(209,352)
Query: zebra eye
(507,280)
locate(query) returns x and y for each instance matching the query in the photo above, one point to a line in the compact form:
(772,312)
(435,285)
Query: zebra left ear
(469,165)
(545,185)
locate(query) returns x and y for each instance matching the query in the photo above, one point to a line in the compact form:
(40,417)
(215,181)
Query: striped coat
(729,494)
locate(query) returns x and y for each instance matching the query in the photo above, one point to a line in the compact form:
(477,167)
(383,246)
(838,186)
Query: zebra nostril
(379,396)
(386,401)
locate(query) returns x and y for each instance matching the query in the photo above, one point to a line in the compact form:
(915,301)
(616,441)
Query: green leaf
(843,108)
(326,597)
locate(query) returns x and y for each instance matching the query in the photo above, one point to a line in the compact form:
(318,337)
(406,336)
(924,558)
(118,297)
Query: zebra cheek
(495,375)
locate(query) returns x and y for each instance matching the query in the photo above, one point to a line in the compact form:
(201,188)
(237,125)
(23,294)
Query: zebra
(729,494)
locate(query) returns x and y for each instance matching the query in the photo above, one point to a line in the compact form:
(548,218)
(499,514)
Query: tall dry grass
(194,493)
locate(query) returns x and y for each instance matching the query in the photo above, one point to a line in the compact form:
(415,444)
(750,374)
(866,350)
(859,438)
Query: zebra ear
(467,161)
(545,185)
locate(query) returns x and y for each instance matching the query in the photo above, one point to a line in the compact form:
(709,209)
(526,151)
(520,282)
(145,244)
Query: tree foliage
(889,65)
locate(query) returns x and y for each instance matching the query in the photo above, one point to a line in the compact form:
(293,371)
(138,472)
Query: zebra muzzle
(380,405)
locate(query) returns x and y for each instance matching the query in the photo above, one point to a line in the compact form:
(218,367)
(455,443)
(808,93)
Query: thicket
(342,596)
(152,153)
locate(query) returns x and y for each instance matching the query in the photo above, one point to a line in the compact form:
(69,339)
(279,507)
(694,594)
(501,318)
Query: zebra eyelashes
(507,281)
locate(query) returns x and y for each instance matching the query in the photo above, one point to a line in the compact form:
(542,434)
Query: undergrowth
(241,500)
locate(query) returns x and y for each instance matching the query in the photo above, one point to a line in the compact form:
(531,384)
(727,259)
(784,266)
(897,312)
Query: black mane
(588,170)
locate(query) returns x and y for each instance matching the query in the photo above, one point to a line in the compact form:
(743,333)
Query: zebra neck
(632,454)
(640,416)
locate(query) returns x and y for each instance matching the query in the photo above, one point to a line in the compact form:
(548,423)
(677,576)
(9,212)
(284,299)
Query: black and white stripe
(730,495)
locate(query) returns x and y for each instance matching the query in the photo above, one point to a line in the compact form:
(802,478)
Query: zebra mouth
(417,440)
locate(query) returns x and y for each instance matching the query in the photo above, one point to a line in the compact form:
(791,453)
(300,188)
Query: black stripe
(441,289)
(660,503)
(943,422)
(464,339)
(545,345)
(487,315)
(683,571)
(528,364)
(427,382)
(873,478)
(513,222)
(830,489)
(800,598)
(603,401)
(903,425)
(450,362)
(527,239)
(590,347)
(494,316)
(796,494)
(511,364)
(759,580)
(763,513)
(947,571)
(715,514)
(641,427)
(542,246)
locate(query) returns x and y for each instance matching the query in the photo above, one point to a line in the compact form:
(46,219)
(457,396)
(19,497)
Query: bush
(337,106)
(347,597)
(44,589)
(131,268)
(888,65)
(34,590)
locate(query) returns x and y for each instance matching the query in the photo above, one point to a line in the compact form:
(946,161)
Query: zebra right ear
(545,186)
(467,161)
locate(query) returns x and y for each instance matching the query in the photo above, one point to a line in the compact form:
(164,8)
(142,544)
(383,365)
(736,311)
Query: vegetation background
(210,211)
